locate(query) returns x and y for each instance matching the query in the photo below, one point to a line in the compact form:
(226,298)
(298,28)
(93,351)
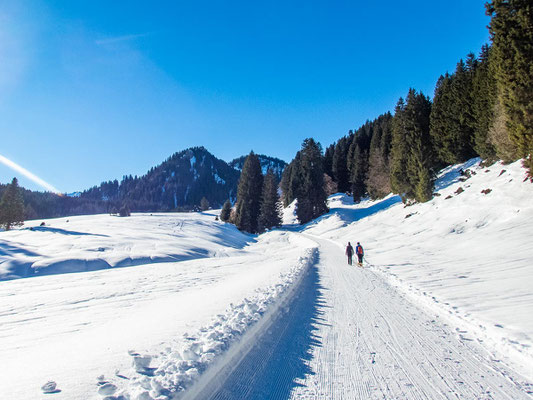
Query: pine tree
(340,165)
(328,160)
(399,150)
(452,121)
(312,198)
(411,153)
(511,30)
(12,206)
(249,192)
(226,211)
(290,181)
(378,176)
(204,204)
(269,216)
(358,173)
(484,98)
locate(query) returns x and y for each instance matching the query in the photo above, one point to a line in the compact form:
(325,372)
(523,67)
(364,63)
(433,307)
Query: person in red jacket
(349,253)
(360,253)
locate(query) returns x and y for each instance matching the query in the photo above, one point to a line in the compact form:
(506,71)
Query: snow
(441,308)
(218,179)
(73,328)
(467,256)
(87,243)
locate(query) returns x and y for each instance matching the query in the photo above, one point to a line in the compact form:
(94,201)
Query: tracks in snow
(349,335)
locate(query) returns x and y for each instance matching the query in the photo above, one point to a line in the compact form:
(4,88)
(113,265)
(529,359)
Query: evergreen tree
(226,211)
(204,204)
(340,165)
(328,160)
(411,154)
(511,29)
(269,216)
(290,181)
(399,150)
(358,172)
(312,198)
(12,206)
(484,98)
(452,121)
(378,176)
(249,192)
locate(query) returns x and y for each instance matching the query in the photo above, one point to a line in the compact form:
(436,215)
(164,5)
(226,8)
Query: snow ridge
(197,362)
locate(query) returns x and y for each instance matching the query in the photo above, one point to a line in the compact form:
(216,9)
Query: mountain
(179,183)
(275,164)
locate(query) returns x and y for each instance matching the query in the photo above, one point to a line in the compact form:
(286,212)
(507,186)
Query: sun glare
(34,178)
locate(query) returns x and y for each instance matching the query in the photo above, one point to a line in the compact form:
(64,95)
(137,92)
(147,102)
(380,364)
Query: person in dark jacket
(360,253)
(349,253)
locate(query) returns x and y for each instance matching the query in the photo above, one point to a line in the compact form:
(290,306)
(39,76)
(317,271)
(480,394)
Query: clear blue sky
(93,90)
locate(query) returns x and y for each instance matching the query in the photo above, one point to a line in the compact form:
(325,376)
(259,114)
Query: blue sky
(93,90)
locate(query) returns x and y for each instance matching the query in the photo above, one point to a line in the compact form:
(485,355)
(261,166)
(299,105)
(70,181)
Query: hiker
(349,253)
(360,253)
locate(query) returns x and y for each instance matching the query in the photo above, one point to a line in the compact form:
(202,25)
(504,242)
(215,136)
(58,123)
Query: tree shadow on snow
(281,356)
(11,250)
(64,231)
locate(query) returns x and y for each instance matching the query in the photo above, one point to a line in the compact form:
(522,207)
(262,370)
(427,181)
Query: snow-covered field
(94,242)
(441,309)
(145,329)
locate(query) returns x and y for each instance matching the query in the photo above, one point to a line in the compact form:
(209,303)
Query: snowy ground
(95,242)
(441,309)
(466,255)
(173,317)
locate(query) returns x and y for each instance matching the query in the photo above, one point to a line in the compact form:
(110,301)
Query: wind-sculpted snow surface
(90,243)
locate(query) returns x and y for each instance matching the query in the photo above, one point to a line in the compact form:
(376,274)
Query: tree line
(483,108)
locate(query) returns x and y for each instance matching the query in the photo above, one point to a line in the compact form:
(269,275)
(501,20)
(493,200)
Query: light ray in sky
(34,178)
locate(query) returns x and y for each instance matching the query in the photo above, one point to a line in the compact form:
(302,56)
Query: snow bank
(213,348)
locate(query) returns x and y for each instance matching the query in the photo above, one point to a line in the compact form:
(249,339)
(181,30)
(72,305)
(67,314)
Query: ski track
(350,335)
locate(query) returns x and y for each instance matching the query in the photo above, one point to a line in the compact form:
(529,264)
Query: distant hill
(179,183)
(275,164)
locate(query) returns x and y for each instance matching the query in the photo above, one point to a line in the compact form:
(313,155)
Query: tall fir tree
(411,154)
(328,160)
(511,30)
(249,195)
(340,165)
(358,173)
(312,199)
(399,150)
(452,120)
(290,181)
(378,177)
(270,215)
(225,213)
(12,206)
(484,98)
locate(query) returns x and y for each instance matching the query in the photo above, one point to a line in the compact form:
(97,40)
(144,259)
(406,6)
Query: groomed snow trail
(350,335)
